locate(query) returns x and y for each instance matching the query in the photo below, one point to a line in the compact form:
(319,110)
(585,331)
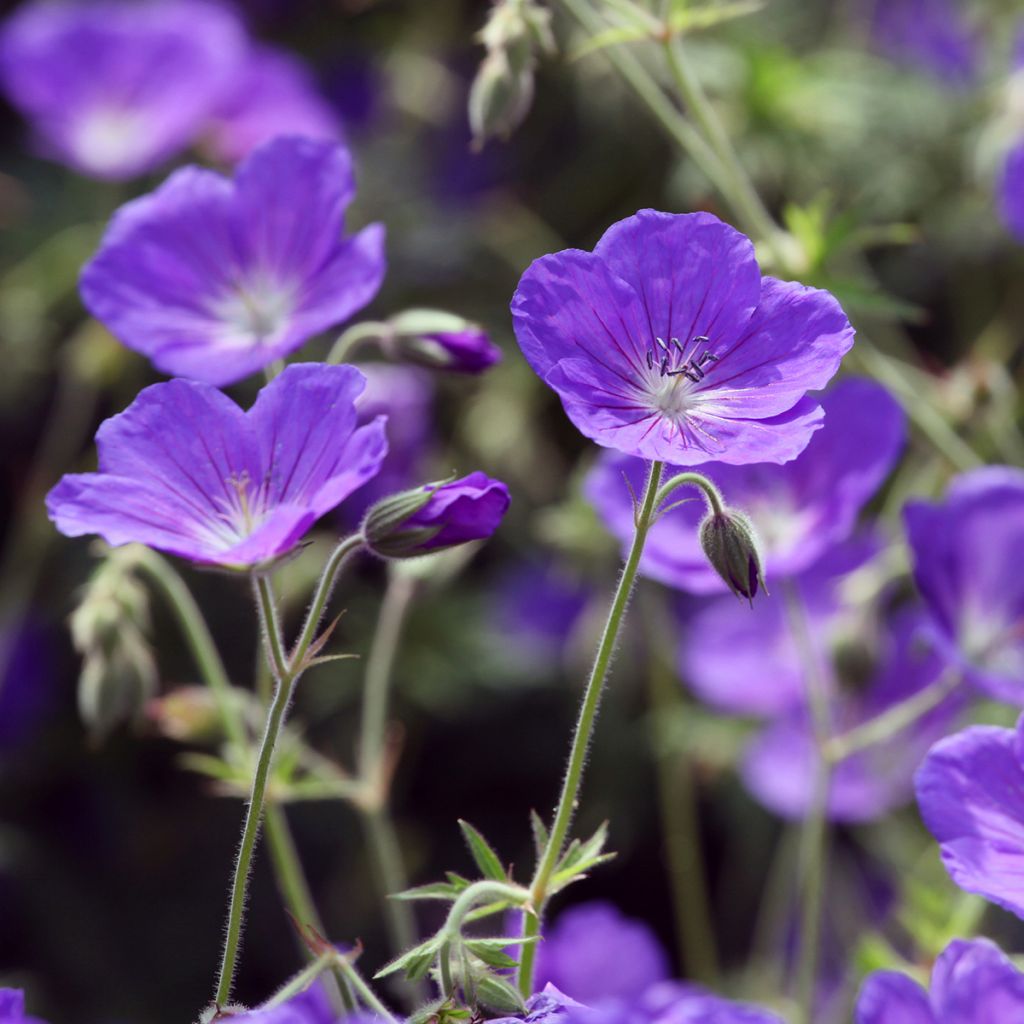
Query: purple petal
(887,997)
(1011,192)
(970,790)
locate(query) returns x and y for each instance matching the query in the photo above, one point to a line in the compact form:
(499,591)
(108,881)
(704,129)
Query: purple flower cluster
(115,88)
(666,343)
(215,279)
(971,983)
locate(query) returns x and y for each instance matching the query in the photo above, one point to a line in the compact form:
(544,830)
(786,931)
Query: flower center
(108,137)
(675,369)
(256,312)
(241,511)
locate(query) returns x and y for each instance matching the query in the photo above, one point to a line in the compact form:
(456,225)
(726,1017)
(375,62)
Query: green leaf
(578,871)
(431,891)
(416,962)
(540,834)
(610,37)
(692,19)
(492,957)
(459,882)
(486,859)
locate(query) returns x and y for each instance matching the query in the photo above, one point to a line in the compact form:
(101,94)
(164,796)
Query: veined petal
(888,997)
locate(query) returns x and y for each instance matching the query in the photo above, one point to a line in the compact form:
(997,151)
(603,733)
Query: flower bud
(188,714)
(728,540)
(442,340)
(435,517)
(500,97)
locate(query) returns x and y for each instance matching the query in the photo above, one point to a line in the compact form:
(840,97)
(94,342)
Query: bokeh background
(115,857)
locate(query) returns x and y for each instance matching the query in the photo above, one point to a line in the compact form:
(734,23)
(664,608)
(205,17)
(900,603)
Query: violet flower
(799,510)
(215,279)
(186,471)
(666,343)
(671,1002)
(594,952)
(440,340)
(12,1008)
(436,516)
(1011,192)
(549,1006)
(972,983)
(965,553)
(933,36)
(114,88)
(778,766)
(970,790)
(271,94)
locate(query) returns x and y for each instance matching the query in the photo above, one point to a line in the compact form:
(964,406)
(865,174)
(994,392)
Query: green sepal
(498,994)
(416,962)
(486,859)
(540,834)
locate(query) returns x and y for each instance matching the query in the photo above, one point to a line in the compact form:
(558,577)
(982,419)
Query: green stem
(358,985)
(585,728)
(355,336)
(814,836)
(893,720)
(299,982)
(197,637)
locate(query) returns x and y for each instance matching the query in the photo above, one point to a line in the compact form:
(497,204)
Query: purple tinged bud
(443,341)
(728,541)
(435,517)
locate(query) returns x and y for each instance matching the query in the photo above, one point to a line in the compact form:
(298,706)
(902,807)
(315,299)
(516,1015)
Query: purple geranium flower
(799,510)
(436,516)
(972,983)
(970,789)
(12,1008)
(931,35)
(1011,192)
(549,1006)
(214,279)
(666,343)
(966,564)
(468,351)
(778,767)
(186,471)
(745,661)
(593,952)
(272,94)
(115,88)
(672,1003)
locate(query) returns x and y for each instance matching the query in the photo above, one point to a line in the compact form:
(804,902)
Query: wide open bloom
(799,510)
(214,279)
(666,343)
(593,952)
(778,767)
(966,554)
(271,94)
(970,790)
(115,88)
(186,471)
(972,983)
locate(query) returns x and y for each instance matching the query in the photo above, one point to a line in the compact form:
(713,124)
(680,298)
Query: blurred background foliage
(114,860)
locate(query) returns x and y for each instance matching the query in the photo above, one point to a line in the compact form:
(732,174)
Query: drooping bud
(188,714)
(730,545)
(108,628)
(435,517)
(442,340)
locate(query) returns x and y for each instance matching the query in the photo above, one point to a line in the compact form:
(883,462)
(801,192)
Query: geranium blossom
(666,343)
(967,569)
(186,471)
(214,279)
(799,510)
(115,88)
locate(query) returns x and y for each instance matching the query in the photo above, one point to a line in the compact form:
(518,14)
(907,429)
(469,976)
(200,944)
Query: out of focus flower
(666,343)
(799,510)
(271,94)
(535,609)
(672,1003)
(442,341)
(593,952)
(186,471)
(115,88)
(436,517)
(972,983)
(305,1010)
(549,1006)
(746,661)
(778,766)
(26,682)
(404,395)
(970,790)
(215,279)
(931,35)
(966,563)
(12,1008)
(1011,192)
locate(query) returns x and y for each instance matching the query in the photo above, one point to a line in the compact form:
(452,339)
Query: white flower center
(107,138)
(256,312)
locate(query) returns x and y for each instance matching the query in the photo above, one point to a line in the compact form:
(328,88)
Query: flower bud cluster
(502,91)
(108,629)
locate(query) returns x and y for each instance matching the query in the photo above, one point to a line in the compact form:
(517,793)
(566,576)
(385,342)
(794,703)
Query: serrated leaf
(486,859)
(498,994)
(540,834)
(431,891)
(416,962)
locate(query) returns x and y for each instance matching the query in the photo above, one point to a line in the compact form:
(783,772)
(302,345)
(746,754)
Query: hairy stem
(585,727)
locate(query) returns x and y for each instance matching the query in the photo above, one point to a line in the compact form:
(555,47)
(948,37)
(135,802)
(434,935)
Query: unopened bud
(500,97)
(730,545)
(188,714)
(442,340)
(435,517)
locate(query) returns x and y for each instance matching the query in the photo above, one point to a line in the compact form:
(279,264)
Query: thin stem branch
(354,337)
(712,495)
(585,727)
